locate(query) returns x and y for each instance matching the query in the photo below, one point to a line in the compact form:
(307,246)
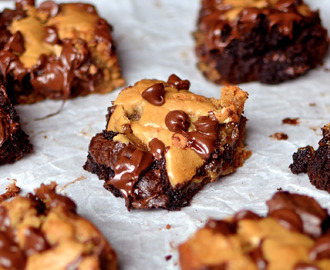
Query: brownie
(162,143)
(44,231)
(294,235)
(56,51)
(316,163)
(267,41)
(14,143)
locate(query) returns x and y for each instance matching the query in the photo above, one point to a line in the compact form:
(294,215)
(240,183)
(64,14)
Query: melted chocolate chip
(15,43)
(245,214)
(11,257)
(51,35)
(157,148)
(258,257)
(177,121)
(175,82)
(155,94)
(22,3)
(321,248)
(49,7)
(221,226)
(203,140)
(128,169)
(288,219)
(34,241)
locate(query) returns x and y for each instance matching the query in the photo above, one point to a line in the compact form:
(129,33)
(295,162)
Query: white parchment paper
(154,40)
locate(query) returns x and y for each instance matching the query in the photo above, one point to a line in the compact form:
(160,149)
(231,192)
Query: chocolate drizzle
(157,148)
(155,94)
(129,168)
(203,140)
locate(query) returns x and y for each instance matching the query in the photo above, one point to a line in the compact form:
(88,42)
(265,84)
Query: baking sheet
(154,40)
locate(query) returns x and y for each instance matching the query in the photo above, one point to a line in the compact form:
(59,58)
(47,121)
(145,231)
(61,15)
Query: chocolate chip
(51,35)
(175,82)
(288,219)
(155,94)
(16,43)
(177,121)
(321,248)
(49,7)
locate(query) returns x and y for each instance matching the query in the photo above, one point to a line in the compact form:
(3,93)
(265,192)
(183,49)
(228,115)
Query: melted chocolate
(288,219)
(15,43)
(305,266)
(22,3)
(177,121)
(157,148)
(129,168)
(51,35)
(34,241)
(175,82)
(155,94)
(220,226)
(203,140)
(321,248)
(49,7)
(11,257)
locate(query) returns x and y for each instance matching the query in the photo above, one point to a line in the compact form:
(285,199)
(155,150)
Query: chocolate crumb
(279,189)
(11,191)
(290,121)
(168,257)
(279,136)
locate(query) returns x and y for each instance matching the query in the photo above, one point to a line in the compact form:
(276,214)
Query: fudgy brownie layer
(14,143)
(271,44)
(316,163)
(56,51)
(293,236)
(43,231)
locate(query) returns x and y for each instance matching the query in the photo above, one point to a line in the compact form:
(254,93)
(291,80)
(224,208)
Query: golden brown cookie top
(43,230)
(285,239)
(43,26)
(185,123)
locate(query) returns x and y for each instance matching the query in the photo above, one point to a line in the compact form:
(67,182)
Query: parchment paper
(154,40)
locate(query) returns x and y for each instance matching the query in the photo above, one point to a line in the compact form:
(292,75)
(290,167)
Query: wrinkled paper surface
(154,40)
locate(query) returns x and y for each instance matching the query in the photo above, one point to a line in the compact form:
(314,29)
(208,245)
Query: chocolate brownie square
(270,41)
(163,143)
(14,143)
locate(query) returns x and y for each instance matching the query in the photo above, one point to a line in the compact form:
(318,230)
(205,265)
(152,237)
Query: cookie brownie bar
(56,51)
(293,236)
(316,163)
(163,143)
(44,231)
(270,41)
(14,143)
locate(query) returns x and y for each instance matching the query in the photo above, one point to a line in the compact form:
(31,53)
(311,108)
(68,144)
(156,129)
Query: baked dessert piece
(56,51)
(14,143)
(293,236)
(163,143)
(44,231)
(270,41)
(316,163)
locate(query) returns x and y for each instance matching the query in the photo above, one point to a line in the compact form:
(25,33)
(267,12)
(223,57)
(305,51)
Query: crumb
(290,121)
(312,104)
(168,257)
(168,226)
(45,136)
(279,136)
(279,189)
(11,191)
